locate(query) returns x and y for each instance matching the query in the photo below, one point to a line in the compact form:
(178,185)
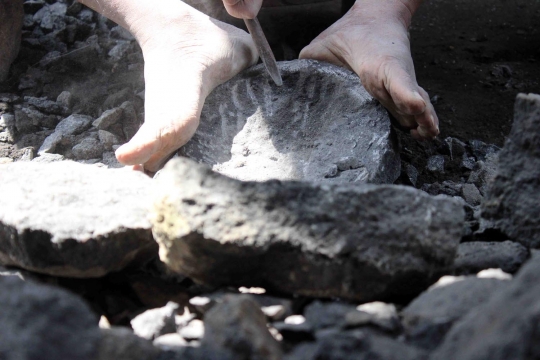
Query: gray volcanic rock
(72,125)
(236,329)
(355,345)
(119,343)
(155,322)
(321,125)
(475,256)
(68,219)
(512,203)
(357,241)
(429,317)
(11,20)
(505,327)
(43,322)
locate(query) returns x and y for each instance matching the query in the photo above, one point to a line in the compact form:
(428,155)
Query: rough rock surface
(321,125)
(11,18)
(72,125)
(356,345)
(512,204)
(120,343)
(360,241)
(428,318)
(155,322)
(477,255)
(43,322)
(236,329)
(54,215)
(505,327)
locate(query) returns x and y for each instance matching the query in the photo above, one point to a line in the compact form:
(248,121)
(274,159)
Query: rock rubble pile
(432,255)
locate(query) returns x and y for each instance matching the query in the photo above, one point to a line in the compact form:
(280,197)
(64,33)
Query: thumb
(243,9)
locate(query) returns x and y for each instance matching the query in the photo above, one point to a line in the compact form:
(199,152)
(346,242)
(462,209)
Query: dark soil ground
(473,57)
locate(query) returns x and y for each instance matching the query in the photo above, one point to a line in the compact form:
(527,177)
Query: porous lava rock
(357,241)
(475,256)
(321,125)
(505,327)
(512,203)
(428,318)
(11,19)
(236,329)
(69,219)
(43,322)
(355,345)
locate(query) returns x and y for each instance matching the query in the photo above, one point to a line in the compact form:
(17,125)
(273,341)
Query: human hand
(185,59)
(372,40)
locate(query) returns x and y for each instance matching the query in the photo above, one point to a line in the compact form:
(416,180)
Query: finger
(404,90)
(243,9)
(140,148)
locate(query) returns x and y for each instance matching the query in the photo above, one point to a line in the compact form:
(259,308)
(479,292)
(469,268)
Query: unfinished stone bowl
(321,125)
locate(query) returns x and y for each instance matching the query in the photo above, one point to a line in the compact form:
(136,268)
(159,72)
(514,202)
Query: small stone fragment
(48,158)
(324,315)
(471,194)
(376,313)
(201,303)
(172,341)
(473,257)
(120,343)
(482,150)
(108,139)
(412,174)
(236,329)
(436,164)
(28,120)
(274,312)
(194,330)
(65,99)
(46,105)
(110,160)
(494,274)
(72,125)
(108,118)
(155,322)
(88,148)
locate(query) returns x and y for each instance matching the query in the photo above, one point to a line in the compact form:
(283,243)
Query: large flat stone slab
(358,241)
(69,219)
(321,125)
(512,203)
